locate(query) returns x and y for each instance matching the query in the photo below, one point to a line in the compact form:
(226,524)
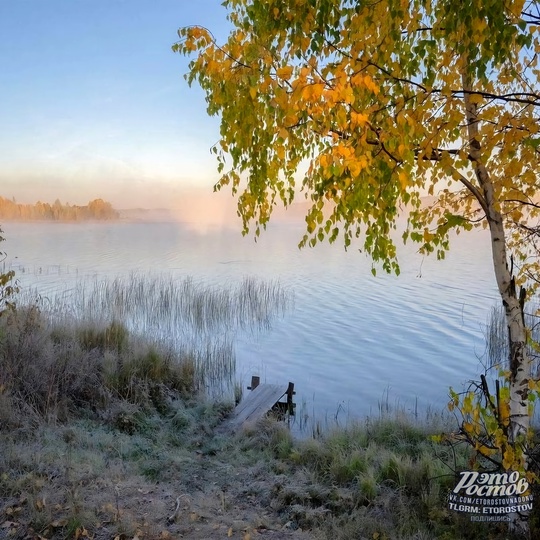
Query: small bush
(46,376)
(54,370)
(368,487)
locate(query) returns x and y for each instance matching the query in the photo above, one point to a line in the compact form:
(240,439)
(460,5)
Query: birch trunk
(519,361)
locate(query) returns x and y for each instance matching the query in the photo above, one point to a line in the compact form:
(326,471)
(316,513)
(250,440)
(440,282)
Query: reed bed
(497,335)
(197,320)
(151,302)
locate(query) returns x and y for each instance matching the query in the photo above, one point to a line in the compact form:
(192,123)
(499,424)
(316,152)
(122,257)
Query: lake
(351,342)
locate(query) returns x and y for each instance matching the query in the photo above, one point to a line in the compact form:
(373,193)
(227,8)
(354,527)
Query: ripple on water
(351,339)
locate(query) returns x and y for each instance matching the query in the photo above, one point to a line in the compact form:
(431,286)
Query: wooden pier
(262,399)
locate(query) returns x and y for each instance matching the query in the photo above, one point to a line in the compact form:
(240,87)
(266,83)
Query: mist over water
(350,340)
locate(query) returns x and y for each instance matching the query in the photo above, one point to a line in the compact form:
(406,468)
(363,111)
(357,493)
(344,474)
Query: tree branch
(526,203)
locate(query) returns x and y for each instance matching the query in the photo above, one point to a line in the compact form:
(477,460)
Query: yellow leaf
(230,532)
(310,92)
(283,133)
(475,98)
(284,72)
(357,79)
(370,84)
(403,179)
(343,151)
(359,119)
(504,410)
(508,458)
(485,450)
(354,168)
(479,24)
(291,119)
(428,237)
(323,161)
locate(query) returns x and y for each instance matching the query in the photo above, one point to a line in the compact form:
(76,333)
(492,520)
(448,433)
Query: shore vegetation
(106,434)
(11,210)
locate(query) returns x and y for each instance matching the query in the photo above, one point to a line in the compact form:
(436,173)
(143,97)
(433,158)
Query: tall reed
(198,320)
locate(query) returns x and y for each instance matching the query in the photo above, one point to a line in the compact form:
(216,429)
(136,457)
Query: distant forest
(96,209)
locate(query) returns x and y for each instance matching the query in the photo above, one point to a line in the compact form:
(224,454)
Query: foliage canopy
(387,102)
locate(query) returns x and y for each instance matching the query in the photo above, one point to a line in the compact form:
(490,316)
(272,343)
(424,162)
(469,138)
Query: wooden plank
(256,404)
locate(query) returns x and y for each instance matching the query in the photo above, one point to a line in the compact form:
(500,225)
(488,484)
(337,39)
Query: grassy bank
(106,435)
(154,475)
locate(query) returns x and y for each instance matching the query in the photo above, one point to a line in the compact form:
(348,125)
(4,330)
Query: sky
(93,102)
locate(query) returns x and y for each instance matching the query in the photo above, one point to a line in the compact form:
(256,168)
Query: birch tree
(388,101)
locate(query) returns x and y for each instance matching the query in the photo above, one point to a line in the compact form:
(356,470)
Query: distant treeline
(96,209)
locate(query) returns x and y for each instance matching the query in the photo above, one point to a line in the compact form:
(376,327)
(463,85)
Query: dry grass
(50,372)
(103,435)
(178,307)
(496,333)
(135,339)
(198,321)
(155,474)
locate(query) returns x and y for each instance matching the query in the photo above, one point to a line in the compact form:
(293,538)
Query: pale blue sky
(93,101)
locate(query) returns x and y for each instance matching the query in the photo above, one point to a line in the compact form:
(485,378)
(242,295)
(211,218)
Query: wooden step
(256,404)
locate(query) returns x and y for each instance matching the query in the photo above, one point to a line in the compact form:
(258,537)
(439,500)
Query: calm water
(350,342)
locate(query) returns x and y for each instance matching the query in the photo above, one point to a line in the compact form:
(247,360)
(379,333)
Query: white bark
(519,361)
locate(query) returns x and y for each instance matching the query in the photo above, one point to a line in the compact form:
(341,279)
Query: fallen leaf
(12,510)
(81,532)
(230,532)
(59,523)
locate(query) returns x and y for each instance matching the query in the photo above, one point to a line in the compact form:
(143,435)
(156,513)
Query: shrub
(54,369)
